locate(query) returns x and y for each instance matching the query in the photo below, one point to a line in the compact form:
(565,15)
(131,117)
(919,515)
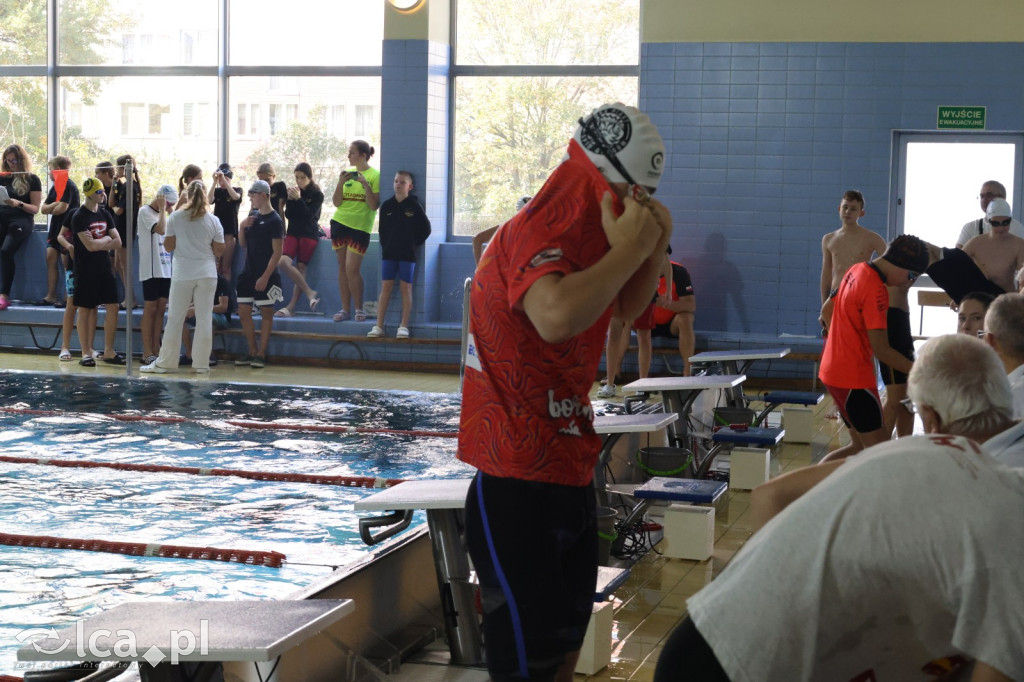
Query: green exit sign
(971,118)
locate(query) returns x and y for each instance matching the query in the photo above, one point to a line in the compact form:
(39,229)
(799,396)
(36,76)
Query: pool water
(314,525)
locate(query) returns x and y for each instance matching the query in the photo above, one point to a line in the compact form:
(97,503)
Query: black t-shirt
(91,264)
(278,196)
(403,227)
(120,200)
(681,278)
(304,213)
(259,242)
(34,185)
(226,209)
(70,197)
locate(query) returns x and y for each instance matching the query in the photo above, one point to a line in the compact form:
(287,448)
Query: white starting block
(748,467)
(596,651)
(689,532)
(798,423)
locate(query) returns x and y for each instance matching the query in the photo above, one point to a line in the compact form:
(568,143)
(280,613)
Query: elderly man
(910,552)
(1004,331)
(990,191)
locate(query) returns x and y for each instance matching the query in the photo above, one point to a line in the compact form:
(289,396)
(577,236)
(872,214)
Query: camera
(354,174)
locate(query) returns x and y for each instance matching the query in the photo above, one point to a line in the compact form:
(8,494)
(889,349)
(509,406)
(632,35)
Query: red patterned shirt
(526,413)
(861,304)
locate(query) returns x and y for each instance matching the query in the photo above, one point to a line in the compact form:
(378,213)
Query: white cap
(998,208)
(168,192)
(630,135)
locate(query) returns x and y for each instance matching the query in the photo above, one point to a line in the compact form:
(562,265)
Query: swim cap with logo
(629,134)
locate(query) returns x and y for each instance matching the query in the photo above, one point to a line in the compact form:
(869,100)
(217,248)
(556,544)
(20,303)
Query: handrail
(129,290)
(466,290)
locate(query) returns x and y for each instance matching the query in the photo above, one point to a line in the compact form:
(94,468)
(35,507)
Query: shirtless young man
(999,254)
(840,250)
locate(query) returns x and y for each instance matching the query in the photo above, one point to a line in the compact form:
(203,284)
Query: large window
(23,32)
(325,32)
(511,132)
(512,123)
(560,32)
(163,122)
(136,32)
(23,116)
(145,78)
(285,121)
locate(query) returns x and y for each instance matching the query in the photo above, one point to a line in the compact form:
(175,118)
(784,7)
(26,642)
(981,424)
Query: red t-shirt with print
(861,304)
(526,413)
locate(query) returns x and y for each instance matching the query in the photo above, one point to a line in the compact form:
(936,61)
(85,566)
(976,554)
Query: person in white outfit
(196,238)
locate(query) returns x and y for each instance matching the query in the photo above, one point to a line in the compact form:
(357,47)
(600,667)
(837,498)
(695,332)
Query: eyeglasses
(13,160)
(1000,223)
(990,195)
(982,333)
(909,405)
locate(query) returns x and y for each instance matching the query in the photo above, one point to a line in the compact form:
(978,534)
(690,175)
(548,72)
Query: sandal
(87,362)
(360,316)
(341,316)
(284,312)
(65,356)
(314,302)
(118,359)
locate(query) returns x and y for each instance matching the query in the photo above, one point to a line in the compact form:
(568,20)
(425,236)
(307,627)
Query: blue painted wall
(763,138)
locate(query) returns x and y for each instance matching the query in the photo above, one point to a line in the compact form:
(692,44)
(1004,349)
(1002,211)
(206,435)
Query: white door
(935,191)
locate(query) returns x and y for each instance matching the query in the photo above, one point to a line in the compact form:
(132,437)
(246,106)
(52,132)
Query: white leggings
(198,293)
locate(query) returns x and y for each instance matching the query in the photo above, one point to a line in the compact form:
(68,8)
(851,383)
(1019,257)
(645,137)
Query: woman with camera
(357,197)
(22,196)
(226,200)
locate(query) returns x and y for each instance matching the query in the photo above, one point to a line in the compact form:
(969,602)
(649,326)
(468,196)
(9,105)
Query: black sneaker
(184,361)
(213,361)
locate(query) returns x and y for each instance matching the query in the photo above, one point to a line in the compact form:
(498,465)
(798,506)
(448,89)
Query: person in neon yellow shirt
(357,197)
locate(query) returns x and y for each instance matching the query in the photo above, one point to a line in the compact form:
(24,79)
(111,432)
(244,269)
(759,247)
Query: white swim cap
(629,134)
(998,208)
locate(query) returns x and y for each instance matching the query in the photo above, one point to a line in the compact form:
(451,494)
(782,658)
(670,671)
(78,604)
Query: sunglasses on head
(1001,223)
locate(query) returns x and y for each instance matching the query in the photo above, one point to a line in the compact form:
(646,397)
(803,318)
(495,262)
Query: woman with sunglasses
(24,195)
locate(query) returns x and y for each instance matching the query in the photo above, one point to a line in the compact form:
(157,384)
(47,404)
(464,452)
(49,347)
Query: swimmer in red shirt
(590,244)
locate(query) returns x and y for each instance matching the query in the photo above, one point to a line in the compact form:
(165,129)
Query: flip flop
(118,359)
(314,302)
(65,356)
(87,362)
(283,312)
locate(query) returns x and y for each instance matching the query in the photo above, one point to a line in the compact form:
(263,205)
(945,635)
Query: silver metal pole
(129,304)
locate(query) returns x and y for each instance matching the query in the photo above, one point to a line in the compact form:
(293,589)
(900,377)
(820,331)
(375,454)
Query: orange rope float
(239,556)
(345,481)
(271,426)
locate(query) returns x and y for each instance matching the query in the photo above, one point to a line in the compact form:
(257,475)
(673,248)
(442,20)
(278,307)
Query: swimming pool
(314,525)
